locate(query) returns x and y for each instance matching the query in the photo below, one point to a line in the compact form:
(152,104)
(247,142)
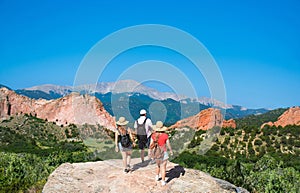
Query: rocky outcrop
(74,108)
(229,123)
(289,117)
(205,120)
(108,176)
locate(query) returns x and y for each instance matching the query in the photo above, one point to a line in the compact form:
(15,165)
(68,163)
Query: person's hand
(171,153)
(134,144)
(116,149)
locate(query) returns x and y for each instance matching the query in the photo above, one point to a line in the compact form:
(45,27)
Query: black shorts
(143,141)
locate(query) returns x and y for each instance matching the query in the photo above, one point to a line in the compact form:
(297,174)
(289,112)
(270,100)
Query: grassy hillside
(253,121)
(258,159)
(31,148)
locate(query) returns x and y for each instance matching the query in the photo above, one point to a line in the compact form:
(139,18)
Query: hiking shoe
(156,177)
(126,171)
(163,183)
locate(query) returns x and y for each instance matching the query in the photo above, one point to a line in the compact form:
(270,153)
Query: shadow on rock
(175,173)
(140,165)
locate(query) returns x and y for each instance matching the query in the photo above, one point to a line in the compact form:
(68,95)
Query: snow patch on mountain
(127,86)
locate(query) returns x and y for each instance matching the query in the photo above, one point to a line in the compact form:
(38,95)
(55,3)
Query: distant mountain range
(122,86)
(127,97)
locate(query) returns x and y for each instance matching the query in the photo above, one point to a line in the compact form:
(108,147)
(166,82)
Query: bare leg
(149,154)
(163,169)
(124,156)
(158,162)
(142,155)
(129,157)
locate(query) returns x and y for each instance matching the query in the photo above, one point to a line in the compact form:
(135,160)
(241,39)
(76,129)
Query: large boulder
(108,176)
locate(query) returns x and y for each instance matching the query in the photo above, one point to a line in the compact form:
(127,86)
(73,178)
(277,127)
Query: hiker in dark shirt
(124,142)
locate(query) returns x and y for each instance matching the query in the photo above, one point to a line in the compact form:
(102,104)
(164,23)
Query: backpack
(141,129)
(157,152)
(125,140)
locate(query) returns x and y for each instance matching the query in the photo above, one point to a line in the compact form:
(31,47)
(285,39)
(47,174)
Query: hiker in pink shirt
(163,142)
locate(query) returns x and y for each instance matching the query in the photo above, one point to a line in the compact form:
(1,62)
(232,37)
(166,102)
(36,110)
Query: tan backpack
(157,152)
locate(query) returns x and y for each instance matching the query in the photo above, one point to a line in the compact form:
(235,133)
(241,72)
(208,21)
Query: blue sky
(256,44)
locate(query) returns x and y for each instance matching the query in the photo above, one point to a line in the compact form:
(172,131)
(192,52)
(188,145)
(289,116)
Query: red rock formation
(270,123)
(289,117)
(74,108)
(204,120)
(229,123)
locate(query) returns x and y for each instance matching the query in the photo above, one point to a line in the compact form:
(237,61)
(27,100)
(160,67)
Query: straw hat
(122,121)
(159,126)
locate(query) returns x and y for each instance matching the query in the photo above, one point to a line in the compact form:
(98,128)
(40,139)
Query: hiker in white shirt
(143,126)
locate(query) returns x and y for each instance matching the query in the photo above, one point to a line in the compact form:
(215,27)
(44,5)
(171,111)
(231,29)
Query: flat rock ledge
(108,176)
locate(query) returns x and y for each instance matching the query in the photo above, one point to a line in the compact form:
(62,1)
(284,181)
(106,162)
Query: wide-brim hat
(159,126)
(122,121)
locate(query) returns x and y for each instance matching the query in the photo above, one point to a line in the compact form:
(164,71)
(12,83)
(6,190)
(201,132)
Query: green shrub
(258,142)
(246,137)
(108,142)
(20,172)
(222,132)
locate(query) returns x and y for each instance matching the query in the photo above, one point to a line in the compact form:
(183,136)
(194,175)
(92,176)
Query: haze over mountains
(139,96)
(122,86)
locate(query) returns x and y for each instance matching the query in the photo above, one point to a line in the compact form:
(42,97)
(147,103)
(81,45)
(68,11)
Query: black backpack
(125,140)
(141,129)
